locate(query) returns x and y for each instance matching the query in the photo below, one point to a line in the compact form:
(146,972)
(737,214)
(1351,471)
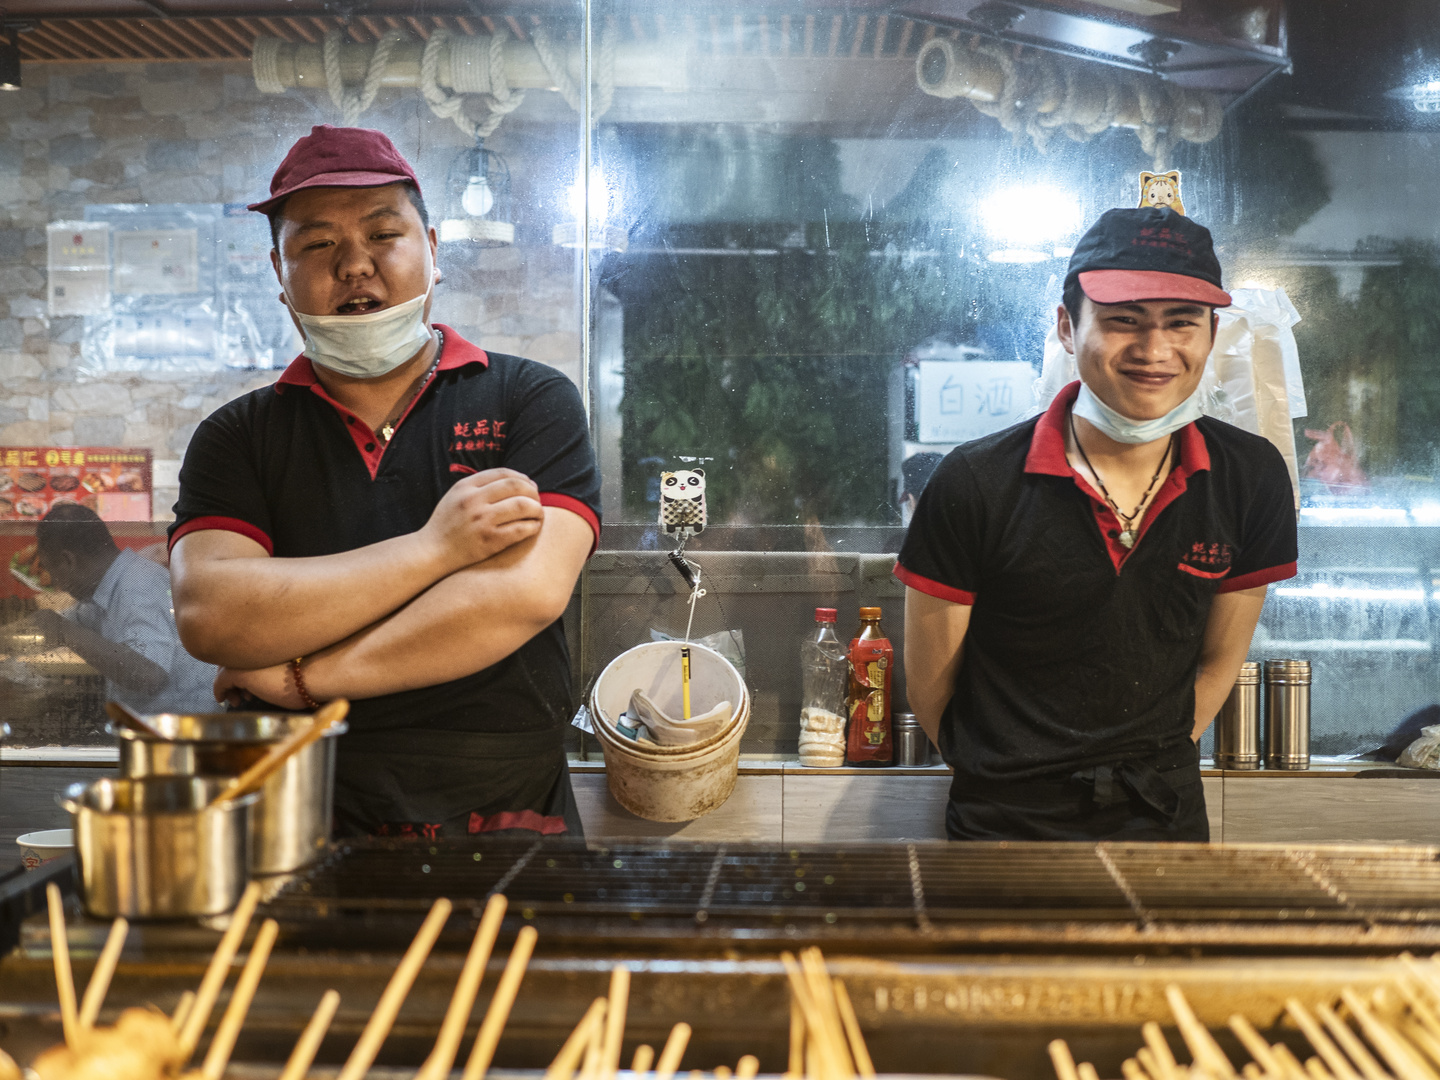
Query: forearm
(116,662)
(934,636)
(254,611)
(1228,632)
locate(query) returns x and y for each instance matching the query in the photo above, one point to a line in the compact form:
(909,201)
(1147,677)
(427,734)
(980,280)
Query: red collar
(456,353)
(1047,445)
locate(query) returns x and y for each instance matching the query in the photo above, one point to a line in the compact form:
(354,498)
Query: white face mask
(1123,429)
(366,346)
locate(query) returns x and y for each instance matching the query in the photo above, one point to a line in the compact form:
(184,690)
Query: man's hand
(53,625)
(274,685)
(482,515)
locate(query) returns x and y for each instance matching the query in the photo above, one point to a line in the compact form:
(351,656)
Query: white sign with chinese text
(78,259)
(960,400)
(152,262)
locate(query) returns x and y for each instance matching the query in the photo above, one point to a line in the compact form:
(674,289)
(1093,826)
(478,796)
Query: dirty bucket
(674,783)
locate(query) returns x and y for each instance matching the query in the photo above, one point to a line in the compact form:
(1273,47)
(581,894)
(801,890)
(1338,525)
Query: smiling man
(1081,589)
(399,520)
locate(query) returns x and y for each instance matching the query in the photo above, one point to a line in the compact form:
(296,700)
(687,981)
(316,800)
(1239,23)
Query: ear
(1146,177)
(1174,175)
(699,472)
(1064,330)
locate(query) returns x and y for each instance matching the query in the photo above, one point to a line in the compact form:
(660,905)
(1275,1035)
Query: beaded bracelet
(310,703)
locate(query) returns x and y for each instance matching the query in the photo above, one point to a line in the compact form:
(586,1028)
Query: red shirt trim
(1259,577)
(575,506)
(456,353)
(517,819)
(1046,457)
(226,524)
(933,588)
(1208,575)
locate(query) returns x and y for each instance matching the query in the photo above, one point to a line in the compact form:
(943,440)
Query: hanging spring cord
(690,571)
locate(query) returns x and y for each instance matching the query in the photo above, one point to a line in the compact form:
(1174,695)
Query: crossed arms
(935,632)
(487,572)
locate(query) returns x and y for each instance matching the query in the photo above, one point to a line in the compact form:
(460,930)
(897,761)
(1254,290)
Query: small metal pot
(291,821)
(157,849)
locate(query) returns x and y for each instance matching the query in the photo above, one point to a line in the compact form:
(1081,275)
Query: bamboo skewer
(722,1072)
(1130,1069)
(595,1039)
(1203,1048)
(1063,1060)
(223,1043)
(182,1010)
(1146,1059)
(824,1058)
(1087,1071)
(1404,1064)
(1369,1068)
(99,983)
(452,1029)
(673,1052)
(747,1068)
(199,1013)
(1289,1064)
(1164,1067)
(64,975)
(1331,1054)
(796,1066)
(614,1021)
(388,1007)
(308,1045)
(1251,1071)
(501,1002)
(643,1059)
(1258,1048)
(863,1065)
(563,1067)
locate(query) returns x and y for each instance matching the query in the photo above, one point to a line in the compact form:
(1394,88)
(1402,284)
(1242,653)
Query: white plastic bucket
(675,783)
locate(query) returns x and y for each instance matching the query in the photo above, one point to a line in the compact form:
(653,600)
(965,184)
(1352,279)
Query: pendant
(1127,538)
(387,431)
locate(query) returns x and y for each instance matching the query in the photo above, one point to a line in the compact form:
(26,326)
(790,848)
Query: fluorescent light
(1063,252)
(604,201)
(1356,515)
(1323,591)
(1018,255)
(1427,513)
(1030,215)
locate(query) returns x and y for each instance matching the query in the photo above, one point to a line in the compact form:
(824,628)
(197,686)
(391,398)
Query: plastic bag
(1424,752)
(728,643)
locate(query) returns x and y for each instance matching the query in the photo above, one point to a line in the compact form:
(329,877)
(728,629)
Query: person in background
(122,625)
(915,472)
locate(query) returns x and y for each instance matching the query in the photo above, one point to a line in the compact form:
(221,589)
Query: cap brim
(334,179)
(1129,286)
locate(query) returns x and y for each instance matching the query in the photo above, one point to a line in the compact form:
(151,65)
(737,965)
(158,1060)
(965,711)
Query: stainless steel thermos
(1287,714)
(1237,728)
(912,745)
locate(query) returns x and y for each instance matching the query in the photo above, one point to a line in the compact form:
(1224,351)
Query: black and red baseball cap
(337,157)
(1147,253)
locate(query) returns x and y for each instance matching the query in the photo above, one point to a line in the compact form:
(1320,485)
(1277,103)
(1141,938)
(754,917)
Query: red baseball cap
(337,157)
(1147,253)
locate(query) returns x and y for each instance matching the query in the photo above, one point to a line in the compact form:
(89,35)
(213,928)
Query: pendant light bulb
(478,197)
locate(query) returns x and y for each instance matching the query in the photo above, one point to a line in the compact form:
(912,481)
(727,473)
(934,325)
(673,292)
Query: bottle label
(868,738)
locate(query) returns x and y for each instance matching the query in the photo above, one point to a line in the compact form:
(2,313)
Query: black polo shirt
(294,470)
(1080,652)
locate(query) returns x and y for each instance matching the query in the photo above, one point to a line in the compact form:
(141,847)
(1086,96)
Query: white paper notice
(960,400)
(154,262)
(78,257)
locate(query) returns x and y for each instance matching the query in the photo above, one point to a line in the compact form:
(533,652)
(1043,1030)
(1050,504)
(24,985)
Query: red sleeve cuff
(934,588)
(1258,578)
(575,506)
(227,524)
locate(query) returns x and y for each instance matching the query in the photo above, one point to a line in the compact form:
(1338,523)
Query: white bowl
(41,847)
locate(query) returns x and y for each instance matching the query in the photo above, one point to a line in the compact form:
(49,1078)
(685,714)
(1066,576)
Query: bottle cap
(869,613)
(825,614)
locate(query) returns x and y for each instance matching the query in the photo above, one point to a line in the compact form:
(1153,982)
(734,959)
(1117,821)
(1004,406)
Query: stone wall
(88,133)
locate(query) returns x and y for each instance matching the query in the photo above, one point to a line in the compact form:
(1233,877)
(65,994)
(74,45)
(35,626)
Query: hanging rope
(554,62)
(351,104)
(477,67)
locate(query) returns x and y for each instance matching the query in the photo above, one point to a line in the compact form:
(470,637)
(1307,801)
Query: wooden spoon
(252,778)
(127,719)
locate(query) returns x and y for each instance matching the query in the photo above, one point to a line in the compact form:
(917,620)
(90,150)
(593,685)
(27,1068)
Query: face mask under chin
(1125,430)
(366,346)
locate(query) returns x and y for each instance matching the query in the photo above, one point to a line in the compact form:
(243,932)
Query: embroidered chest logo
(478,435)
(1207,560)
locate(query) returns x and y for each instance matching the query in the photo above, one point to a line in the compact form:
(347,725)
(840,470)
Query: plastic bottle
(824,671)
(868,738)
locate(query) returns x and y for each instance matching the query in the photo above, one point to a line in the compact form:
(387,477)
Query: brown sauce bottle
(868,739)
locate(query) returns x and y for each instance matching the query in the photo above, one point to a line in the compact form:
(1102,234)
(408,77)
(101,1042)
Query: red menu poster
(114,482)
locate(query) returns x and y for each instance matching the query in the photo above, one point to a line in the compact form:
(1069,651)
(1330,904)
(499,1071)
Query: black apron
(432,784)
(1160,797)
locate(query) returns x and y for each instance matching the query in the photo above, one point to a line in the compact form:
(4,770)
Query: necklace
(387,429)
(1128,532)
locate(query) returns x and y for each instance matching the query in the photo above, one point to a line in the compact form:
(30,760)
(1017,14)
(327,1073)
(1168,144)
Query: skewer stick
(1324,1046)
(822,993)
(219,969)
(1087,1071)
(1289,1064)
(388,1007)
(796,1066)
(452,1029)
(1316,1069)
(1251,1071)
(594,1043)
(821,1050)
(182,1010)
(308,1045)
(1063,1060)
(1424,1015)
(1164,1067)
(722,1072)
(1406,1064)
(747,1068)
(1146,1058)
(563,1067)
(501,1002)
(1130,1069)
(1369,1067)
(1427,1042)
(1254,1044)
(858,1050)
(1203,1048)
(99,983)
(614,1021)
(643,1059)
(223,1044)
(673,1052)
(64,976)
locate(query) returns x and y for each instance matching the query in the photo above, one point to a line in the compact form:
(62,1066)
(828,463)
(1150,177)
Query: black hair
(1072,298)
(277,212)
(74,528)
(916,470)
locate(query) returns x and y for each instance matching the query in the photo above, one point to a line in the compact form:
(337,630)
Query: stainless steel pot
(156,848)
(291,820)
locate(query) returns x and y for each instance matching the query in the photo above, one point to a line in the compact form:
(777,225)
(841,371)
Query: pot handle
(69,799)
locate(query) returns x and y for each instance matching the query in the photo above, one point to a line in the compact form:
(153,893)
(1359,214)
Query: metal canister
(1287,714)
(1237,728)
(912,745)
